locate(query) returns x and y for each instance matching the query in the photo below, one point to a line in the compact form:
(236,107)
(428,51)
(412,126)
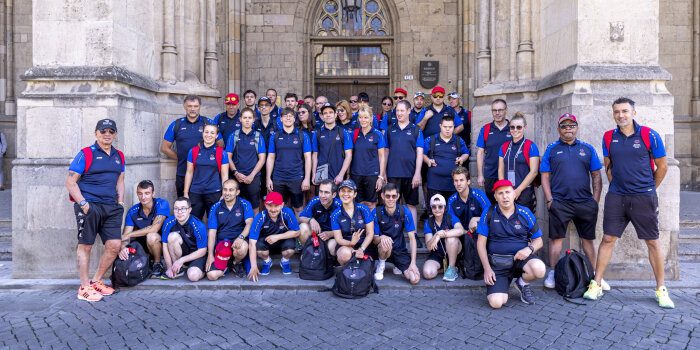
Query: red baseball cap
(232,98)
(438,89)
(274,198)
(401,91)
(223,254)
(501,183)
(567,116)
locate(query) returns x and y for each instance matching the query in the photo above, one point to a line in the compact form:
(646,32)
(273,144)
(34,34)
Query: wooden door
(342,89)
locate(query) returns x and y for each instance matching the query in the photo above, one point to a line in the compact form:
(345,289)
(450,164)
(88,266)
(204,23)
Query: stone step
(689,236)
(5,223)
(5,251)
(689,252)
(689,224)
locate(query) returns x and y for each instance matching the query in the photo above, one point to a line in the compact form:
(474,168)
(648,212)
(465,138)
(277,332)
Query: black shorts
(285,244)
(440,253)
(406,190)
(370,251)
(431,193)
(290,191)
(424,172)
(202,202)
(103,219)
(187,250)
(251,192)
(180,185)
(527,198)
(263,182)
(488,188)
(401,258)
(505,276)
(642,210)
(199,263)
(584,215)
(366,188)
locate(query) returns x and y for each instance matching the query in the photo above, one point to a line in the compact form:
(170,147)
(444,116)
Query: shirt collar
(576,142)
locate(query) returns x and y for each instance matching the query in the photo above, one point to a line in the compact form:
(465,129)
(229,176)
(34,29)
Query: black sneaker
(239,269)
(158,270)
(525,293)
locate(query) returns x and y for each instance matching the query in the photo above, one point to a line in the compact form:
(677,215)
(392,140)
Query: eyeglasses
(438,96)
(387,104)
(301,111)
(353,101)
(340,110)
(320,103)
(180,210)
(391,196)
(264,106)
(498,111)
(231,99)
(108,130)
(568,126)
(516,127)
(399,97)
(437,206)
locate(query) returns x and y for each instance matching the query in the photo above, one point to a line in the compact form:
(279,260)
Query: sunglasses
(391,196)
(516,127)
(437,206)
(399,97)
(108,130)
(567,126)
(340,110)
(232,99)
(180,210)
(353,101)
(387,104)
(301,111)
(438,96)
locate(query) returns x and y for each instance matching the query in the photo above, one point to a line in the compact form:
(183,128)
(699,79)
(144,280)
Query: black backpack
(133,270)
(315,262)
(356,279)
(469,265)
(572,274)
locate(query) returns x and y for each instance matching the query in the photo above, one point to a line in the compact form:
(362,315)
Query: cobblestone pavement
(402,319)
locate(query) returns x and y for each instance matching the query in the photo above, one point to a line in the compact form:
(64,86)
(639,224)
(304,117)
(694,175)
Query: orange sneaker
(102,288)
(89,294)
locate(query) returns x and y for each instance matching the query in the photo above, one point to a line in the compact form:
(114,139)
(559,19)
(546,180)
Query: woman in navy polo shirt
(387,106)
(514,166)
(305,123)
(368,167)
(353,226)
(342,110)
(207,169)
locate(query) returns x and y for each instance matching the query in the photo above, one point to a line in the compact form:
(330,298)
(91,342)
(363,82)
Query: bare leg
(533,270)
(111,251)
(83,253)
(589,250)
(154,245)
(555,250)
(430,269)
(656,258)
(604,254)
(496,300)
(453,247)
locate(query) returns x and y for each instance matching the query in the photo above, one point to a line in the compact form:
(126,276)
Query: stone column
(525,50)
(169,53)
(210,59)
(10,103)
(695,99)
(484,54)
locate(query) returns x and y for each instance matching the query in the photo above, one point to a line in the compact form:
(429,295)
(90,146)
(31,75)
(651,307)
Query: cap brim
(220,264)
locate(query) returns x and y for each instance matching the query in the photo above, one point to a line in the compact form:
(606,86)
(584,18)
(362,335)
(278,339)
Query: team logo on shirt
(139,219)
(636,144)
(201,128)
(454,147)
(117,161)
(581,152)
(517,225)
(396,223)
(212,157)
(472,207)
(409,132)
(252,142)
(98,157)
(221,212)
(295,140)
(371,139)
(238,212)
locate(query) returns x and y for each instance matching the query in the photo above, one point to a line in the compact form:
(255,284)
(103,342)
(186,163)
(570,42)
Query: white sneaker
(605,285)
(379,273)
(397,271)
(549,281)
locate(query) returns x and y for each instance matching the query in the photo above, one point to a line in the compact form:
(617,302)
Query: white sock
(284,260)
(382,261)
(268,260)
(521,282)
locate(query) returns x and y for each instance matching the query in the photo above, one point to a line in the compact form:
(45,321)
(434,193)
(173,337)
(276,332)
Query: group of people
(261,180)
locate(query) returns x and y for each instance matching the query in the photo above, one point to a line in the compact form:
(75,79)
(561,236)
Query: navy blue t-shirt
(229,223)
(392,226)
(187,136)
(365,157)
(432,127)
(508,235)
(228,125)
(340,220)
(403,145)
(322,144)
(570,169)
(289,151)
(631,161)
(206,177)
(266,130)
(99,183)
(245,154)
(445,154)
(496,138)
(193,232)
(514,160)
(316,210)
(138,220)
(264,226)
(476,203)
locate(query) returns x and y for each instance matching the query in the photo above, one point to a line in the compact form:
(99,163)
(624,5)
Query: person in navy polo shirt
(332,149)
(507,243)
(229,219)
(265,123)
(96,183)
(345,120)
(455,101)
(207,168)
(404,162)
(519,163)
(275,229)
(229,121)
(352,226)
(143,223)
(418,110)
(635,163)
(354,106)
(275,111)
(247,152)
(569,168)
(289,162)
(390,222)
(368,168)
(491,137)
(184,241)
(442,238)
(443,152)
(249,98)
(186,132)
(468,203)
(316,216)
(430,123)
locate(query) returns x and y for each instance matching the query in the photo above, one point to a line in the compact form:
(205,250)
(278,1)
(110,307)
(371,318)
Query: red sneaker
(102,288)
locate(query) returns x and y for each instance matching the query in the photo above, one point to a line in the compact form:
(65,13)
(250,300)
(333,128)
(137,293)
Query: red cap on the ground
(274,198)
(222,254)
(501,183)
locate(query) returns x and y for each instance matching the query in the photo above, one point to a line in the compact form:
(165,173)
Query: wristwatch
(531,248)
(241,236)
(82,203)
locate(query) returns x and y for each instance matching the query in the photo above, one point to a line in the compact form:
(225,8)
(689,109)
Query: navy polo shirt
(323,142)
(275,112)
(466,134)
(206,177)
(316,210)
(365,157)
(138,220)
(496,138)
(340,220)
(514,160)
(432,127)
(477,202)
(227,125)
(266,130)
(319,119)
(289,151)
(99,183)
(387,119)
(193,232)
(349,126)
(245,154)
(631,161)
(229,223)
(444,154)
(508,235)
(570,167)
(264,226)
(392,226)
(417,116)
(404,143)
(187,136)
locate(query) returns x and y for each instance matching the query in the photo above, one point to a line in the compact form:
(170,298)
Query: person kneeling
(184,241)
(442,237)
(352,226)
(508,239)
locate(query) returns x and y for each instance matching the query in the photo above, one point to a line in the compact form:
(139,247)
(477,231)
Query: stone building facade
(77,61)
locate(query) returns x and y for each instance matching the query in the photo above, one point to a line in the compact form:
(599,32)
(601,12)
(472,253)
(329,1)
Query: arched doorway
(352,49)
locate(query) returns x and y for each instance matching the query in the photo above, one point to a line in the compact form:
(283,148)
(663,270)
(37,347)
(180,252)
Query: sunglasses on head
(437,206)
(516,127)
(108,130)
(438,95)
(399,97)
(231,99)
(567,126)
(353,101)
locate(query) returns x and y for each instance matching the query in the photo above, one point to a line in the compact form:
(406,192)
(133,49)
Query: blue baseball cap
(349,184)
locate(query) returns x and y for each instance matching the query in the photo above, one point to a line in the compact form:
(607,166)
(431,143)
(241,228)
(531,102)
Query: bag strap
(121,155)
(222,116)
(504,148)
(355,134)
(219,157)
(526,152)
(432,146)
(195,153)
(487,130)
(87,151)
(177,127)
(646,138)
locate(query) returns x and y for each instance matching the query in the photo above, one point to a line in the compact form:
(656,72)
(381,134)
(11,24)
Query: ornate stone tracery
(367,19)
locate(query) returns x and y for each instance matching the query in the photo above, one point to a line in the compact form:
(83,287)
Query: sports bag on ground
(355,279)
(572,274)
(133,270)
(470,266)
(315,262)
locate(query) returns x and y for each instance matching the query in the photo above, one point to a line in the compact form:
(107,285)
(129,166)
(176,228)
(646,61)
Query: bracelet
(381,177)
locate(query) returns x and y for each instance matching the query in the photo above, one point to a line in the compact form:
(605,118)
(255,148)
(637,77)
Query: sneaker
(286,267)
(158,270)
(89,294)
(549,281)
(299,247)
(594,291)
(102,288)
(663,298)
(526,295)
(450,275)
(267,265)
(246,264)
(605,285)
(397,271)
(379,272)
(164,276)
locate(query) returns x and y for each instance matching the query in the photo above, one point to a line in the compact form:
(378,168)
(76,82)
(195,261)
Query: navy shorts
(284,244)
(583,214)
(290,191)
(366,188)
(187,250)
(406,190)
(505,276)
(103,219)
(251,192)
(438,254)
(401,258)
(642,210)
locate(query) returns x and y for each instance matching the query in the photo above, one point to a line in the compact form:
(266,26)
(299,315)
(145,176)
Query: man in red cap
(508,239)
(229,121)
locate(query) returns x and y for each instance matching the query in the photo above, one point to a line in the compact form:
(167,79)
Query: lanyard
(515,156)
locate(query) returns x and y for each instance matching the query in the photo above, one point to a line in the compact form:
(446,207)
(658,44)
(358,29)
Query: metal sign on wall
(429,73)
